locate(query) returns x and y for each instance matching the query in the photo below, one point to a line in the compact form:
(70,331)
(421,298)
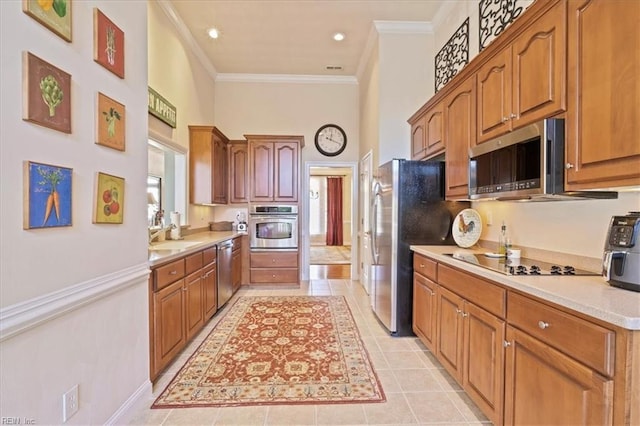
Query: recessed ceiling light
(213,33)
(338,36)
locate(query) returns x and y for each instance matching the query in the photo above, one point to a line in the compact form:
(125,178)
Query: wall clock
(330,140)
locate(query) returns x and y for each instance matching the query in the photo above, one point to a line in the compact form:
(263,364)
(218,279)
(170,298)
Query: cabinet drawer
(193,262)
(267,259)
(478,291)
(425,266)
(274,276)
(208,256)
(587,342)
(165,275)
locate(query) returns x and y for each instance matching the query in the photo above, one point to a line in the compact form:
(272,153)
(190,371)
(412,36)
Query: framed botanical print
(109,199)
(108,43)
(110,123)
(46,94)
(47,200)
(53,14)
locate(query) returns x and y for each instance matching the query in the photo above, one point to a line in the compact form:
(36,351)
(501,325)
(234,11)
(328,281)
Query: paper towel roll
(175,230)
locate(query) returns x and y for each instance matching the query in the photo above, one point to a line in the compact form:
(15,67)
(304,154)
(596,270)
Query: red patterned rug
(278,350)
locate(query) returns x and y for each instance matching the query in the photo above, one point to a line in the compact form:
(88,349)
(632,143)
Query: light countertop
(202,240)
(590,295)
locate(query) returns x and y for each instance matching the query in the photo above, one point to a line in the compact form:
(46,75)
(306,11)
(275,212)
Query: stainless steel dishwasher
(225,284)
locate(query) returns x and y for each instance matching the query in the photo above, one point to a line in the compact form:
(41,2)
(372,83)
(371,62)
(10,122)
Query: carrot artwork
(51,177)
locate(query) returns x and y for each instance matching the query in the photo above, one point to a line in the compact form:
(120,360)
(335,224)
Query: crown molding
(186,35)
(403,27)
(286,78)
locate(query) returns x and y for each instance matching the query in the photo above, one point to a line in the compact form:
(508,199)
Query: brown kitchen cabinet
(525,81)
(208,165)
(236,264)
(426,134)
(459,135)
(603,129)
(274,162)
(274,267)
(425,300)
(209,282)
(238,172)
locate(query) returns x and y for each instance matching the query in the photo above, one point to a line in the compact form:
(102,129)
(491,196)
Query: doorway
(329,193)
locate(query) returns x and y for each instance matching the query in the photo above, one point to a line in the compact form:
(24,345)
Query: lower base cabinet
(170,335)
(274,267)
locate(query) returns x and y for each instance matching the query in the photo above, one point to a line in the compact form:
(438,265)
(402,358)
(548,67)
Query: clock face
(331,140)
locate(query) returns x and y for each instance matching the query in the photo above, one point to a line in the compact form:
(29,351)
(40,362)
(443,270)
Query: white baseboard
(123,414)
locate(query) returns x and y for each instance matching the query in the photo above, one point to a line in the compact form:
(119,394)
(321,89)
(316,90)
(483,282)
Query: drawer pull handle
(422,265)
(173,272)
(506,343)
(543,324)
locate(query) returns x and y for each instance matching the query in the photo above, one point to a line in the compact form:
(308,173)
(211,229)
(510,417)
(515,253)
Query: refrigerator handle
(374,223)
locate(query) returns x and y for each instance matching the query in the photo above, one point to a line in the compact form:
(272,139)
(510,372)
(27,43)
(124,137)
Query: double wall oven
(273,227)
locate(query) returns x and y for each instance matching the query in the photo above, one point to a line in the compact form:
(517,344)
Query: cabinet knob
(422,265)
(512,115)
(431,293)
(505,119)
(464,315)
(273,276)
(173,272)
(543,324)
(506,343)
(273,261)
(568,166)
(458,311)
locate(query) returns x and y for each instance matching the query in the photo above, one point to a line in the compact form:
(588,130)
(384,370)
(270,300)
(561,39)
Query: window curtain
(334,211)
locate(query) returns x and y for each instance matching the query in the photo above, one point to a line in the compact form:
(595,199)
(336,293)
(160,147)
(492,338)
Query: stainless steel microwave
(525,164)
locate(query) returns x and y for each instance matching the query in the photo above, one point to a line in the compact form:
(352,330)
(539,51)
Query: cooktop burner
(521,266)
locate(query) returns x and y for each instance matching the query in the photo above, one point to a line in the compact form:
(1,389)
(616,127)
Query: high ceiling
(292,37)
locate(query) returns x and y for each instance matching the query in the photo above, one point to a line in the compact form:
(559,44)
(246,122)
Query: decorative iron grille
(453,56)
(495,17)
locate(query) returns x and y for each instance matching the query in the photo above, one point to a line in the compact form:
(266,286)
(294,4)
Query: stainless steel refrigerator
(408,208)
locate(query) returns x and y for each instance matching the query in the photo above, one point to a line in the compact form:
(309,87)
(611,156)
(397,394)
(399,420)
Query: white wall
(176,72)
(74,302)
(369,88)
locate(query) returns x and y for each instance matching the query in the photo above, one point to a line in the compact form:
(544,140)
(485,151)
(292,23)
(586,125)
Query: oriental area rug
(278,350)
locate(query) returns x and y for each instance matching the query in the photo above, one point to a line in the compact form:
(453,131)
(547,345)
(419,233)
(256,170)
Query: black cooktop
(521,266)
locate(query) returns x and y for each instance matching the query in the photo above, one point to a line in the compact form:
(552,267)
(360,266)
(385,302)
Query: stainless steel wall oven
(273,227)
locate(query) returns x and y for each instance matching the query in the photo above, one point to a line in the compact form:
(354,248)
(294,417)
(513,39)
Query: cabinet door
(494,96)
(238,173)
(200,165)
(418,136)
(220,173)
(209,288)
(261,171)
(168,318)
(545,387)
(434,142)
(450,332)
(424,310)
(236,268)
(539,68)
(460,134)
(285,171)
(603,128)
(484,360)
(193,303)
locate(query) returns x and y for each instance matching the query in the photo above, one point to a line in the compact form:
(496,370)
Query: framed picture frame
(108,43)
(110,123)
(53,14)
(46,94)
(109,199)
(47,201)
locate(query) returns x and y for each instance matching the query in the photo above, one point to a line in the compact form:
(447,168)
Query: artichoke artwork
(51,93)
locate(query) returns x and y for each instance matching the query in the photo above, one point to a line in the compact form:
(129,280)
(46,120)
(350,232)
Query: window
(166,182)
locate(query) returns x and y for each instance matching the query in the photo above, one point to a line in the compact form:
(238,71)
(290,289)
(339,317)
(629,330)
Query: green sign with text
(162,108)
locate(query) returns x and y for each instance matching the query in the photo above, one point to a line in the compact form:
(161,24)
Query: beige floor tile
(468,408)
(433,407)
(378,360)
(389,343)
(291,415)
(192,416)
(417,380)
(388,381)
(429,359)
(395,411)
(149,417)
(404,359)
(244,416)
(447,382)
(340,414)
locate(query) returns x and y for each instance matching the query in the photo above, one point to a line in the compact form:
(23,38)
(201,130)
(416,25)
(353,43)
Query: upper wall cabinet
(273,168)
(238,172)
(426,134)
(208,165)
(603,122)
(524,82)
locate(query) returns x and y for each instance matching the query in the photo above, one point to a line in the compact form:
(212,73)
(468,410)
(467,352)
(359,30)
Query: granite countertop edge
(590,295)
(203,239)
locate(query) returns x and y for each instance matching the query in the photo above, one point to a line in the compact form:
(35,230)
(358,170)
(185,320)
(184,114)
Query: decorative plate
(467,227)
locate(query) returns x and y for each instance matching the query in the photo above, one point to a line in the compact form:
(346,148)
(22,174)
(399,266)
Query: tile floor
(418,390)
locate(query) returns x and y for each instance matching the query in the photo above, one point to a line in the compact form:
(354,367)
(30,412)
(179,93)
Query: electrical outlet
(70,403)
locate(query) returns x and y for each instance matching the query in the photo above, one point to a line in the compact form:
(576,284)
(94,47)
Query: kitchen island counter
(589,295)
